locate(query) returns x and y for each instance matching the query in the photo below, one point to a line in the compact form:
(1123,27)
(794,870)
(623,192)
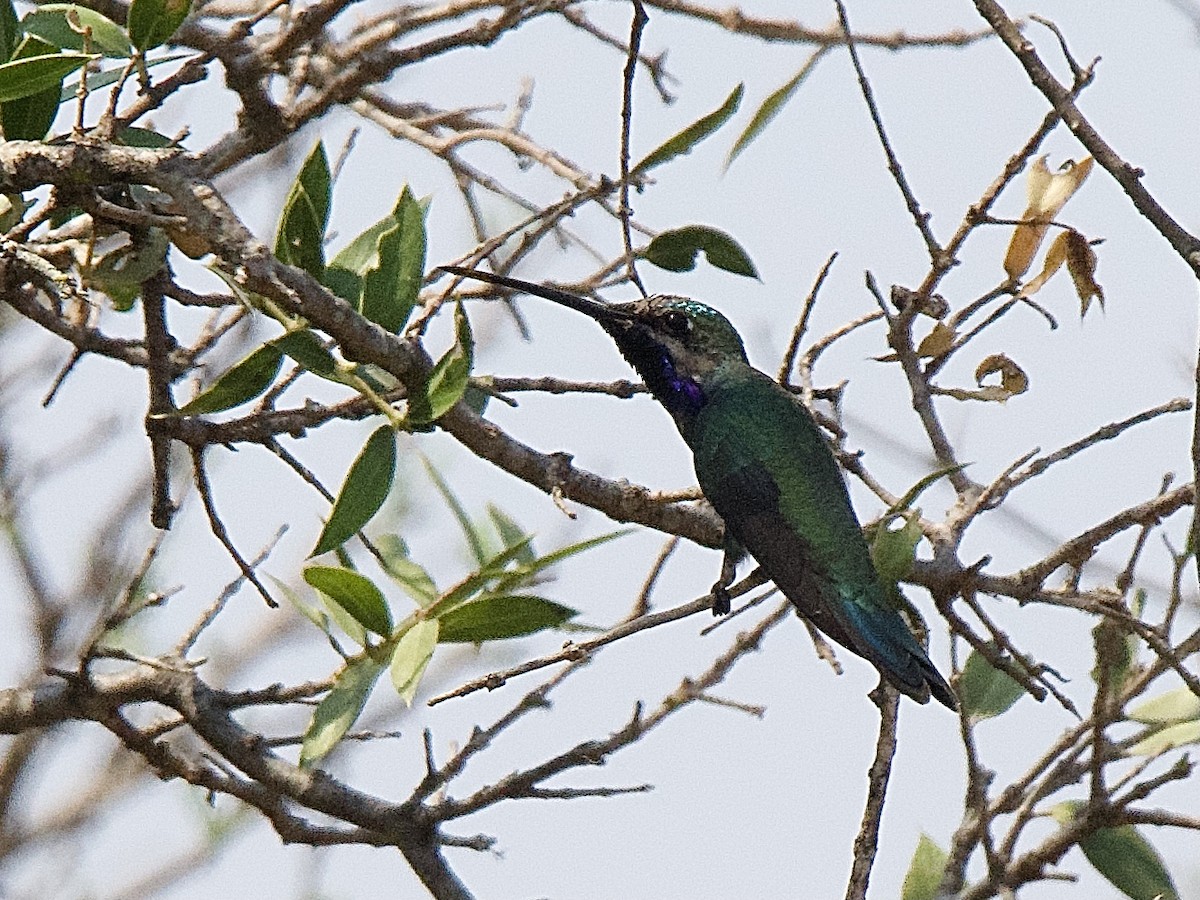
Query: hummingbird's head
(673,342)
(695,337)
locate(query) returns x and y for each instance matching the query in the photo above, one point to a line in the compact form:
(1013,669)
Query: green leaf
(98,80)
(1114,653)
(354,593)
(339,709)
(305,348)
(526,574)
(132,136)
(911,495)
(925,871)
(511,533)
(30,118)
(411,656)
(1170,737)
(390,288)
(1129,863)
(366,486)
(300,240)
(770,109)
(121,272)
(52,23)
(450,376)
(476,399)
(350,626)
(1178,705)
(474,536)
(12,210)
(894,549)
(985,691)
(496,617)
(692,135)
(676,251)
(34,74)
(10,30)
(153,22)
(411,576)
(314,615)
(245,381)
(490,570)
(362,253)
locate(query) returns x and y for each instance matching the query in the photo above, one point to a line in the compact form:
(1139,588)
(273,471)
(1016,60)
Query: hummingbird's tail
(878,633)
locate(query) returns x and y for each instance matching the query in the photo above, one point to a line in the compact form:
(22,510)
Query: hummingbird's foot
(720,598)
(720,590)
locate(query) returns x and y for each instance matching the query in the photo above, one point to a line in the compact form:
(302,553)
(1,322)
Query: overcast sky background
(741,807)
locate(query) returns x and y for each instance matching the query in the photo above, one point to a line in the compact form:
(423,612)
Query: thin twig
(636,28)
(867,842)
(920,217)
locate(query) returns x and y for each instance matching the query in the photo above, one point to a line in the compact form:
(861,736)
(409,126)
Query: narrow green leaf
(475,539)
(1170,737)
(914,492)
(52,23)
(300,239)
(245,381)
(676,251)
(894,549)
(153,22)
(12,209)
(367,485)
(411,656)
(925,871)
(306,348)
(98,80)
(363,252)
(1129,863)
(10,30)
(340,708)
(411,576)
(391,287)
(685,140)
(349,625)
(34,74)
(488,571)
(314,615)
(496,617)
(450,376)
(476,399)
(1178,705)
(511,533)
(132,136)
(771,107)
(355,593)
(984,690)
(1114,653)
(30,118)
(121,272)
(526,574)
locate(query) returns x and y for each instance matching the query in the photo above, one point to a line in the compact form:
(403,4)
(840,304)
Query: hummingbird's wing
(764,465)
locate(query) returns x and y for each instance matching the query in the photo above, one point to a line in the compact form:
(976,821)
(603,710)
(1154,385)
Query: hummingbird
(764,465)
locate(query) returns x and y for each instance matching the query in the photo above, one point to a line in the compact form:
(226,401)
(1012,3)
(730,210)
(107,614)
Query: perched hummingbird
(764,465)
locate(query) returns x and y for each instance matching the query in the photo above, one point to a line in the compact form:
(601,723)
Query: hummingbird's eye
(676,323)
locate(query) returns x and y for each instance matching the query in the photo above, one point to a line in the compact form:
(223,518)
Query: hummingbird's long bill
(597,311)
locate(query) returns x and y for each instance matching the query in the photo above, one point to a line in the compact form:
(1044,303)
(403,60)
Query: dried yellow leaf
(1048,192)
(1013,379)
(1081,263)
(1055,257)
(937,343)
